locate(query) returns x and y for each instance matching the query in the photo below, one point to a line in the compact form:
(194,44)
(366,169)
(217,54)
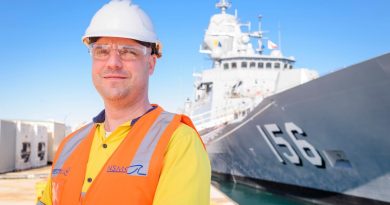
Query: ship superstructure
(241,75)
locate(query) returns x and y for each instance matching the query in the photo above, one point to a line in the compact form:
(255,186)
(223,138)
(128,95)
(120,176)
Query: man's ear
(152,64)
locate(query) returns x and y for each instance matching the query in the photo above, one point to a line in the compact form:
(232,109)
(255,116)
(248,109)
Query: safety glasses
(125,52)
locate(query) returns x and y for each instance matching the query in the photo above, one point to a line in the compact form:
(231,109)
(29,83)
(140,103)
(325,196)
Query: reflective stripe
(140,164)
(83,194)
(69,148)
(40,203)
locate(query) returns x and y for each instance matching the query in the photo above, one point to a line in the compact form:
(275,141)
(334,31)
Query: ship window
(285,65)
(277,65)
(290,66)
(226,66)
(260,65)
(234,65)
(268,65)
(252,65)
(244,64)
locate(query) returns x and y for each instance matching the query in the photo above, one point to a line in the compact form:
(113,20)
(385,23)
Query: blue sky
(45,69)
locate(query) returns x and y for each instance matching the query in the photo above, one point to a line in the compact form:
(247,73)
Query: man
(134,152)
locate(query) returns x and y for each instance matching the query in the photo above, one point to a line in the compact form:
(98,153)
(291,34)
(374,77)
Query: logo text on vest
(64,172)
(134,170)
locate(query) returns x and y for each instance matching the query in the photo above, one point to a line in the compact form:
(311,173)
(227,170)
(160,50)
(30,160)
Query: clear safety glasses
(125,52)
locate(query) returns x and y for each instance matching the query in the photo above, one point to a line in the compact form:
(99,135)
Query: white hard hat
(121,18)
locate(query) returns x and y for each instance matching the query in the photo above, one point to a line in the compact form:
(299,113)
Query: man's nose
(114,61)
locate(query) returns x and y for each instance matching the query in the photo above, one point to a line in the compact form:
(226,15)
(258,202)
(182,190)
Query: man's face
(119,79)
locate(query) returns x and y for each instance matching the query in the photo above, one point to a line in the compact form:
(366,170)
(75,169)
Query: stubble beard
(114,93)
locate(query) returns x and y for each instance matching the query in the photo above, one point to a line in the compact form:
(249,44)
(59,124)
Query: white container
(39,151)
(24,136)
(7,146)
(56,132)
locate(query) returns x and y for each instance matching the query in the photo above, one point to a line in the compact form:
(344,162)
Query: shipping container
(56,132)
(57,135)
(24,136)
(39,151)
(7,146)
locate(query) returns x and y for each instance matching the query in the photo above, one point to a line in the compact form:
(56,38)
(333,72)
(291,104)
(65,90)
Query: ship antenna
(280,38)
(260,36)
(260,17)
(223,5)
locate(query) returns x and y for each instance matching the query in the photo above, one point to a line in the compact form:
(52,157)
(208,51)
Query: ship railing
(221,116)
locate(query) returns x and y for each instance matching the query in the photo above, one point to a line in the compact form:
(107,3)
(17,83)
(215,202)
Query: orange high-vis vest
(130,175)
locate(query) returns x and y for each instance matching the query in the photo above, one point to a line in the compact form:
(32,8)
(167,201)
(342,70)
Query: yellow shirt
(185,176)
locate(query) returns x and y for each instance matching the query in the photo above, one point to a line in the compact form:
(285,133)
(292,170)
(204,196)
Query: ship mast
(223,5)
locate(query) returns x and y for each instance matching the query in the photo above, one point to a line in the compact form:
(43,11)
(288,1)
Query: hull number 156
(305,148)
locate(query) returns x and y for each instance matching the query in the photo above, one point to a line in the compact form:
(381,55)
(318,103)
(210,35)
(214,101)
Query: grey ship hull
(329,135)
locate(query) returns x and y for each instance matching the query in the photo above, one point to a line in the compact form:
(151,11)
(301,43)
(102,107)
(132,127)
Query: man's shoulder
(185,129)
(185,135)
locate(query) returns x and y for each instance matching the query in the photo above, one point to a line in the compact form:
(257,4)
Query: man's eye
(102,51)
(128,51)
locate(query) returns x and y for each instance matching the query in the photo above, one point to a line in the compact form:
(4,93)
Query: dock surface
(18,188)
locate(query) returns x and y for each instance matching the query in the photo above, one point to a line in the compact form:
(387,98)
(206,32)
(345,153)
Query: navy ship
(272,126)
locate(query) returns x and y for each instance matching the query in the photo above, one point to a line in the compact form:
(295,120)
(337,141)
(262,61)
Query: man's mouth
(114,77)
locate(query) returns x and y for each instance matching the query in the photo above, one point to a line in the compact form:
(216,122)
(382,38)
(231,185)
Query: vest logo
(136,170)
(64,172)
(117,169)
(133,170)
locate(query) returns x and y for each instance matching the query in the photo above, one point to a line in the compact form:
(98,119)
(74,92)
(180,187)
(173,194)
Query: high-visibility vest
(130,175)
